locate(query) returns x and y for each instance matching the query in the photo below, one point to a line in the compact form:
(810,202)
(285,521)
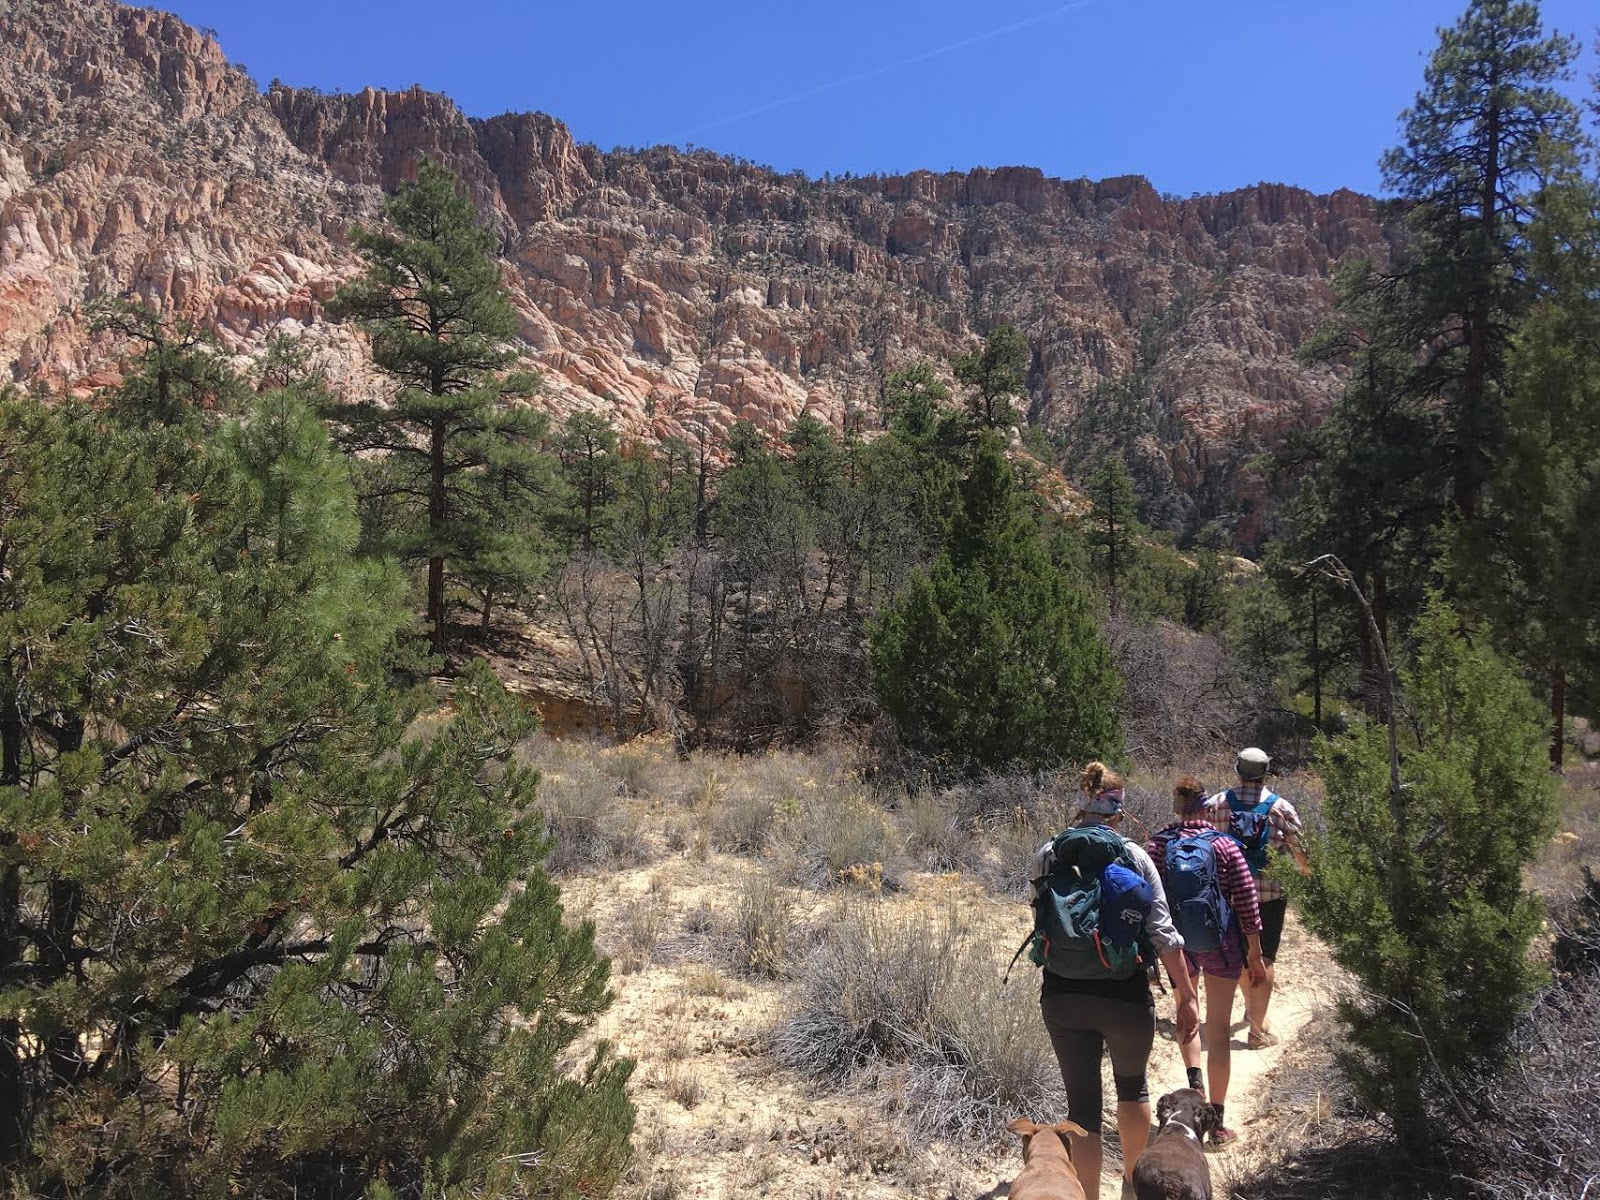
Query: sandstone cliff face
(674,291)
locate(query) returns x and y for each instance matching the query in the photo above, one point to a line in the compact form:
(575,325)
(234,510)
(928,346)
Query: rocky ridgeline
(668,289)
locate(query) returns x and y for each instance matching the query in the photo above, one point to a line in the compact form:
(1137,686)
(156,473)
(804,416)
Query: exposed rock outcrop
(672,290)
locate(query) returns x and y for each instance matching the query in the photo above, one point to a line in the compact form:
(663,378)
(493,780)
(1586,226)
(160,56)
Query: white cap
(1253,763)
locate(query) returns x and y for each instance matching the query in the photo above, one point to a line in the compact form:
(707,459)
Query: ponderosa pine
(442,327)
(266,929)
(1490,130)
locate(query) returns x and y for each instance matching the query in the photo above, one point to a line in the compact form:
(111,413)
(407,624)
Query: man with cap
(1261,821)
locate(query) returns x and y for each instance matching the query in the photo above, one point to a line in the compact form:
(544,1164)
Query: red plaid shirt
(1233,873)
(1283,822)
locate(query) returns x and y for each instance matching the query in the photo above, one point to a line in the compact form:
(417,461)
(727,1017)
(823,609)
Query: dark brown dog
(1173,1166)
(1047,1171)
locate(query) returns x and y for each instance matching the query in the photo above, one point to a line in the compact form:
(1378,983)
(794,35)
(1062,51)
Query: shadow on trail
(1359,1169)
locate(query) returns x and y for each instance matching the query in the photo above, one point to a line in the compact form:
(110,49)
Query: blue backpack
(1194,890)
(1251,828)
(1091,908)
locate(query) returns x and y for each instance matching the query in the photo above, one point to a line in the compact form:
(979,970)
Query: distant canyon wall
(672,291)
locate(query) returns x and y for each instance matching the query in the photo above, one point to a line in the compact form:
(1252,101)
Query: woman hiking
(1087,1017)
(1214,905)
(1262,821)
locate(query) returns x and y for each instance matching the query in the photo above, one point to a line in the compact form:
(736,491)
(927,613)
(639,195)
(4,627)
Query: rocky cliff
(670,290)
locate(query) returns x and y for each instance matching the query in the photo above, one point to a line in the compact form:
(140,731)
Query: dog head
(1188,1107)
(1028,1130)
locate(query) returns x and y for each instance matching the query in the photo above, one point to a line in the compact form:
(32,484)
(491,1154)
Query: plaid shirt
(1282,820)
(1233,873)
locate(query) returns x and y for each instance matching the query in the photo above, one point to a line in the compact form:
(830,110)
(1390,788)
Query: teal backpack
(1089,912)
(1251,827)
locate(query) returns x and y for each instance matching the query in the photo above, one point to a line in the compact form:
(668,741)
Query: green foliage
(1527,564)
(458,474)
(990,659)
(587,451)
(915,400)
(1114,530)
(262,933)
(1418,889)
(176,367)
(1373,497)
(1491,147)
(997,376)
(1489,133)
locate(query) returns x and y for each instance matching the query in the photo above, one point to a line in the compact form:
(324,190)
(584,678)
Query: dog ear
(1064,1128)
(1164,1108)
(1023,1126)
(1210,1117)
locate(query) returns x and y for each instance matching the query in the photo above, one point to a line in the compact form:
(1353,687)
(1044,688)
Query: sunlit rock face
(676,292)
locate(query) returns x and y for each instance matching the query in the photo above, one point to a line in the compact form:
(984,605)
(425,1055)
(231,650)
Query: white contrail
(887,68)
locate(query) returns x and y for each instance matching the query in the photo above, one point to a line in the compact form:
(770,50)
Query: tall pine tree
(442,328)
(1114,525)
(1529,565)
(1489,133)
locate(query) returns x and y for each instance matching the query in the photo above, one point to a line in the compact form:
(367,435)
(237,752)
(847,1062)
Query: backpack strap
(1006,978)
(1268,800)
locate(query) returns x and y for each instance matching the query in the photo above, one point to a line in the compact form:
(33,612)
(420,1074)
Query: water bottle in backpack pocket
(1194,890)
(1090,909)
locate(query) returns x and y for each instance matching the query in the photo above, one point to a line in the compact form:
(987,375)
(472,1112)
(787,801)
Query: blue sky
(1198,96)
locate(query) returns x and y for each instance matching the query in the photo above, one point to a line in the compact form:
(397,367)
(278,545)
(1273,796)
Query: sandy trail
(1296,1000)
(719,1119)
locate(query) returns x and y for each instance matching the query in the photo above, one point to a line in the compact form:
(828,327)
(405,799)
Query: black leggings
(1081,1028)
(1272,915)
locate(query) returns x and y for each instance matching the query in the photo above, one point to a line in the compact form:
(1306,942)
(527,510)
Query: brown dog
(1173,1166)
(1047,1171)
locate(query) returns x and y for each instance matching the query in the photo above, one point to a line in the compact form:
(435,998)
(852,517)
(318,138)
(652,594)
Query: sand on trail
(717,1117)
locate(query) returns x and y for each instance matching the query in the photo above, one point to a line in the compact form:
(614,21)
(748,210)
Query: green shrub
(1419,889)
(991,660)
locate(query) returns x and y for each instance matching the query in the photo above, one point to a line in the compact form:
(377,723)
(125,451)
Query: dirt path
(719,1119)
(1297,998)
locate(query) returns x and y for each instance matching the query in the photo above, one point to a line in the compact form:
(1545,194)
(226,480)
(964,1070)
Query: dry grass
(936,836)
(584,814)
(905,1007)
(632,944)
(1558,876)
(683,1086)
(762,927)
(700,979)
(834,830)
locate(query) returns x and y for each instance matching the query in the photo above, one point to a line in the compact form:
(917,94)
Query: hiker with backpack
(1214,905)
(1099,913)
(1262,822)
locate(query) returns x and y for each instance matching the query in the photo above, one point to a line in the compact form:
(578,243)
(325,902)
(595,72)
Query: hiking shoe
(1261,1040)
(1223,1137)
